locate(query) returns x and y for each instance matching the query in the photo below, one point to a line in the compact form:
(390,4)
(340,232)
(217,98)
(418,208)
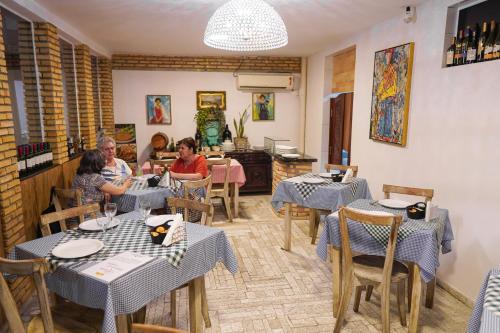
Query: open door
(340,128)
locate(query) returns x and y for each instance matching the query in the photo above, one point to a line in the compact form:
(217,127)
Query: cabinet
(258,170)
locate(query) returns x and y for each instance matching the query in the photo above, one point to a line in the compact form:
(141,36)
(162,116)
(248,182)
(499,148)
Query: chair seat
(371,268)
(61,325)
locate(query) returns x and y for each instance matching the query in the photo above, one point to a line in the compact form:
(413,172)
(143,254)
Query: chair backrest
(427,193)
(394,221)
(166,164)
(166,154)
(63,197)
(187,204)
(340,167)
(194,187)
(36,268)
(211,153)
(61,216)
(226,162)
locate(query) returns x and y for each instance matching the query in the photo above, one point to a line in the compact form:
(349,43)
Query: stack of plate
(227,146)
(282,149)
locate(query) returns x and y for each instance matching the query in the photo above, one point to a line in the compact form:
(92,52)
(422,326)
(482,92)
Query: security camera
(409,14)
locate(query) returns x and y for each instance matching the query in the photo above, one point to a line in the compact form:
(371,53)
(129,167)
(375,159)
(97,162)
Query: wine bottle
(227,135)
(465,44)
(481,41)
(21,161)
(51,156)
(29,159)
(488,46)
(472,49)
(82,144)
(458,48)
(197,139)
(496,46)
(450,53)
(35,164)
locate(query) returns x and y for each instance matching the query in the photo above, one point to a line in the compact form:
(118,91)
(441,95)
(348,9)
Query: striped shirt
(121,169)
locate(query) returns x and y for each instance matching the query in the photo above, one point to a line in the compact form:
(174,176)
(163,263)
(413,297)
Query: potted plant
(240,140)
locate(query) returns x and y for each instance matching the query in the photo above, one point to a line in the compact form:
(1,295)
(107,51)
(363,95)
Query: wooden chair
(166,155)
(35,268)
(427,194)
(194,188)
(165,164)
(222,190)
(206,209)
(63,198)
(61,216)
(142,328)
(344,168)
(367,270)
(212,153)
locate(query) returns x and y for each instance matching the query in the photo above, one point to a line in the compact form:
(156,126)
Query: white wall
(453,136)
(131,87)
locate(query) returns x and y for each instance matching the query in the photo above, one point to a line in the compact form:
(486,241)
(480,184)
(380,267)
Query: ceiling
(176,27)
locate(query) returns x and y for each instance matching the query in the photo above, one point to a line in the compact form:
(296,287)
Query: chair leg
(204,305)
(369,290)
(173,307)
(344,303)
(357,298)
(227,203)
(429,293)
(401,302)
(315,228)
(410,284)
(385,296)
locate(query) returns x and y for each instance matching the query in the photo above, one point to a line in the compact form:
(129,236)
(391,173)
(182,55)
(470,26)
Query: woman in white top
(114,167)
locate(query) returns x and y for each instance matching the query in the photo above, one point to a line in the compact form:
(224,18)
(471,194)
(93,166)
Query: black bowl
(156,236)
(416,211)
(337,178)
(154,181)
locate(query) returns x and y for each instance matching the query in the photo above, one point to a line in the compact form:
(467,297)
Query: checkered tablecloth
(485,316)
(132,235)
(327,195)
(421,246)
(139,190)
(129,293)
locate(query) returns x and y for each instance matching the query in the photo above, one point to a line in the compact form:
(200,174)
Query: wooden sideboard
(258,170)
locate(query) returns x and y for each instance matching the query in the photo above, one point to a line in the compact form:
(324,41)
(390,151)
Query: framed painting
(263,106)
(159,110)
(391,94)
(211,99)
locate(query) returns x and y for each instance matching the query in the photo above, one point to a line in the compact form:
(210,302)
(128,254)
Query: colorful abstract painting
(391,94)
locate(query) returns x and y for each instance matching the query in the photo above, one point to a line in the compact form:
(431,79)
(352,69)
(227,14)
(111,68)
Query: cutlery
(374,202)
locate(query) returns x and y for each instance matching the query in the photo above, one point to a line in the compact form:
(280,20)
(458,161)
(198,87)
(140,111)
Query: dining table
(485,316)
(186,261)
(315,192)
(237,178)
(418,244)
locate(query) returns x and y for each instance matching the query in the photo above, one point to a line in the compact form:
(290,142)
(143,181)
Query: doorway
(339,145)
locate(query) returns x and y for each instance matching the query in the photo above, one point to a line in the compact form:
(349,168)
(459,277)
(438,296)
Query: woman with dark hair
(88,179)
(189,165)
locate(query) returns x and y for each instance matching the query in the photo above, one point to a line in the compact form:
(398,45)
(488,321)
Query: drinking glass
(145,209)
(110,212)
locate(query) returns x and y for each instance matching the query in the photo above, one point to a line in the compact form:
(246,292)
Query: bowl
(337,177)
(159,233)
(215,148)
(416,211)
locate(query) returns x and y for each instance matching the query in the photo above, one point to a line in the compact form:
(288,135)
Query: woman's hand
(126,184)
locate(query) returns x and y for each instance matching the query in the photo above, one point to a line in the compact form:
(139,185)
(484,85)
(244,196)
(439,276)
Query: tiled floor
(279,291)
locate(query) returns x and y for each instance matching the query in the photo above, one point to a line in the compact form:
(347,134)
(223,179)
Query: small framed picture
(263,106)
(159,110)
(211,99)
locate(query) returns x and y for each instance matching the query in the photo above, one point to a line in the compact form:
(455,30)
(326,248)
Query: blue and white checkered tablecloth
(327,195)
(485,316)
(420,246)
(139,190)
(129,293)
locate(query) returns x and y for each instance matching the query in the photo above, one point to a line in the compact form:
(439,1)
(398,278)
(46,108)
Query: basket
(159,141)
(240,143)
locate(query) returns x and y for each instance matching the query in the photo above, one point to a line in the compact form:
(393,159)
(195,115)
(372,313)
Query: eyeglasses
(109,148)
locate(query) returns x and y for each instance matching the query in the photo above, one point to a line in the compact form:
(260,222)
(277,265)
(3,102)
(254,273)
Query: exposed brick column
(88,127)
(11,213)
(106,85)
(95,91)
(69,80)
(49,66)
(27,62)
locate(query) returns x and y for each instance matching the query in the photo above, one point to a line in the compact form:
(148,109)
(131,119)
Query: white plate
(77,248)
(91,225)
(214,158)
(156,220)
(291,155)
(347,182)
(372,212)
(325,175)
(394,203)
(313,181)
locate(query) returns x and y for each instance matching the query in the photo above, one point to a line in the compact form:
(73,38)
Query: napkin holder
(154,181)
(348,176)
(177,231)
(430,211)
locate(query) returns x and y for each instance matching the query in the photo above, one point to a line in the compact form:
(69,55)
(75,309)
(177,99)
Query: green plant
(240,130)
(204,115)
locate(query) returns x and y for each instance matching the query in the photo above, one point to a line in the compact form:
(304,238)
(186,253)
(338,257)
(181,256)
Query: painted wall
(131,87)
(453,136)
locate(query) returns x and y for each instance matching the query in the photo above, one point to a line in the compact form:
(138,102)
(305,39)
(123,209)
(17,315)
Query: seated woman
(189,165)
(92,184)
(114,167)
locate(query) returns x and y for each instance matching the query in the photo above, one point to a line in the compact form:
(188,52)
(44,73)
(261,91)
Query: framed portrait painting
(263,106)
(211,99)
(391,94)
(159,110)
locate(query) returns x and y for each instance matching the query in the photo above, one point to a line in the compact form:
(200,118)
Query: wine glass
(110,212)
(145,209)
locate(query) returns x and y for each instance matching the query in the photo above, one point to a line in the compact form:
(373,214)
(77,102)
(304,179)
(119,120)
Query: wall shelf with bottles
(472,33)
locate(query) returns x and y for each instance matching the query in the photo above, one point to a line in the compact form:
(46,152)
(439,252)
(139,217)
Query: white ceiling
(176,27)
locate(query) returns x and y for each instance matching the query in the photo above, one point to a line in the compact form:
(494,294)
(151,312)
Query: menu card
(114,267)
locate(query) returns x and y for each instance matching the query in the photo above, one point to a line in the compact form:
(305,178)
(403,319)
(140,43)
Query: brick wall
(11,214)
(85,96)
(69,81)
(95,91)
(49,66)
(106,86)
(208,64)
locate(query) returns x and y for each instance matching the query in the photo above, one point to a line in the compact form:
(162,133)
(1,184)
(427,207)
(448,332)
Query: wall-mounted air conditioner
(270,82)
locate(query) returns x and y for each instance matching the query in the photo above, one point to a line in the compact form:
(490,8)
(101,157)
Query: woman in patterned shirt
(92,184)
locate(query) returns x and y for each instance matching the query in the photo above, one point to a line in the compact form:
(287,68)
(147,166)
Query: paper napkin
(176,232)
(348,176)
(430,211)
